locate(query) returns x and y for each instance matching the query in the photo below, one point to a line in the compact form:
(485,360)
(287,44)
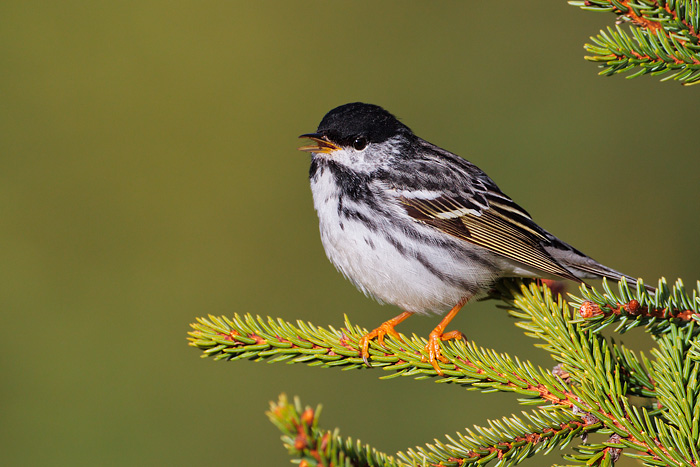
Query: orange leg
(385,328)
(438,334)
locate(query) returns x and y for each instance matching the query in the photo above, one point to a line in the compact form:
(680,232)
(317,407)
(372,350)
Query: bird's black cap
(349,121)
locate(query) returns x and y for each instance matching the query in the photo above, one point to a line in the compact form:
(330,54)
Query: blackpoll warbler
(414,225)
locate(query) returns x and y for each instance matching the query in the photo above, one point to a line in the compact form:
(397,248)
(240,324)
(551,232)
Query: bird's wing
(476,211)
(500,228)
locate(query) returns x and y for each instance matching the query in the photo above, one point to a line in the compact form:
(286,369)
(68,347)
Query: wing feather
(503,228)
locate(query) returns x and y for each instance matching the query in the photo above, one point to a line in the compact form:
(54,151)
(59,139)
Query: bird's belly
(393,268)
(378,269)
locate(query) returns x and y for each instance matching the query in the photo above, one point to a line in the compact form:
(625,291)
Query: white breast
(368,258)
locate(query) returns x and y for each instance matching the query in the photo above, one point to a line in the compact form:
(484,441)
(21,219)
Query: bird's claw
(384,329)
(433,348)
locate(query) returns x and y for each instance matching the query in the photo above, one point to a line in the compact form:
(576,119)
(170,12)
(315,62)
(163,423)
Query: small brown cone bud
(589,309)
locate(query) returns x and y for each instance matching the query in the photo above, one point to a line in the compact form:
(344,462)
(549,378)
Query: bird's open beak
(321,144)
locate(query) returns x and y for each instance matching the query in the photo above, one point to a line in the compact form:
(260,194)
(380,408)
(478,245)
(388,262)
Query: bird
(419,227)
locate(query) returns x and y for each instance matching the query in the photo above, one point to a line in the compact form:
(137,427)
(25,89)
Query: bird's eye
(360,143)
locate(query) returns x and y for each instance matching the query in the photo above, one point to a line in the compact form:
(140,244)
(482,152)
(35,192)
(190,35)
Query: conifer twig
(665,37)
(588,392)
(248,337)
(630,308)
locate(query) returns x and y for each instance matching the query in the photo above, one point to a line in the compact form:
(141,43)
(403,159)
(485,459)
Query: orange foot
(385,328)
(433,347)
(438,334)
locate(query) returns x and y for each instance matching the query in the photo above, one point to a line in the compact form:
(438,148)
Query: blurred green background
(148,175)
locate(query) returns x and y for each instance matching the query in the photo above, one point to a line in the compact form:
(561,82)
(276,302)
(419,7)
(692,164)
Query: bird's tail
(598,271)
(585,267)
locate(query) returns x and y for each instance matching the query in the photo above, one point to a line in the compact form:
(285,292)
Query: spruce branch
(657,311)
(471,366)
(509,440)
(662,36)
(678,390)
(313,446)
(579,352)
(599,381)
(588,392)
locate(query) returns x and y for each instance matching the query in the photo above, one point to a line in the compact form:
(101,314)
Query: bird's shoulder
(447,182)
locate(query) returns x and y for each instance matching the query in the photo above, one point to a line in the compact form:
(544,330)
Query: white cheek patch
(352,159)
(338,155)
(367,160)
